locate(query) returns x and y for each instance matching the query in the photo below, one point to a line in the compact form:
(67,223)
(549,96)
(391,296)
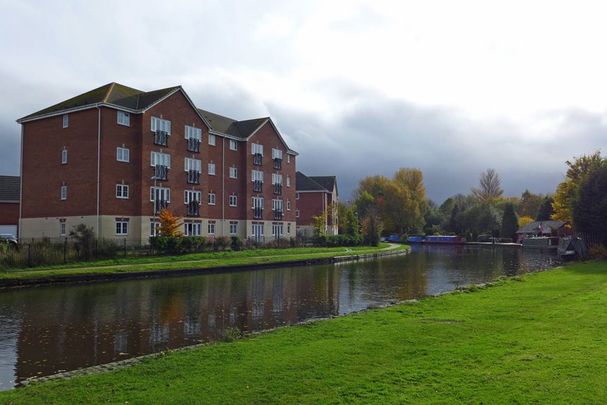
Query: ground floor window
(257,230)
(192,228)
(154,226)
(277,229)
(233,227)
(62,227)
(211,228)
(289,228)
(122,226)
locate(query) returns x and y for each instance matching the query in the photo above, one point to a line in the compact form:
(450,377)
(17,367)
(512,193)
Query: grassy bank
(540,338)
(191,261)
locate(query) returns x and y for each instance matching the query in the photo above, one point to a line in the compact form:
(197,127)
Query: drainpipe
(223,185)
(98,167)
(19,225)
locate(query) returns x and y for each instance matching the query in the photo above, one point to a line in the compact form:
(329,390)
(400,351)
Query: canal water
(51,329)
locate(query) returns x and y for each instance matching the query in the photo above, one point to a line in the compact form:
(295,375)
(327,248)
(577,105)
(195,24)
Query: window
(276,178)
(161,159)
(288,181)
(288,158)
(277,229)
(193,133)
(212,198)
(66,120)
(64,156)
(63,192)
(297,196)
(122,226)
(233,227)
(276,154)
(233,172)
(288,205)
(212,169)
(211,228)
(192,164)
(122,154)
(62,227)
(288,227)
(154,225)
(158,124)
(212,140)
(296,213)
(233,145)
(257,175)
(258,202)
(122,191)
(233,200)
(123,118)
(160,194)
(257,230)
(277,205)
(192,228)
(257,148)
(191,195)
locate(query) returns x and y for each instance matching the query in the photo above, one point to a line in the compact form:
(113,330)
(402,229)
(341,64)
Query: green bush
(236,243)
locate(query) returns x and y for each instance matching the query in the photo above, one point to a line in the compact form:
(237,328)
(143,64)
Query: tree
(590,210)
(372,229)
(545,211)
(567,191)
(509,222)
(169,224)
(84,240)
(522,221)
(529,204)
(490,187)
(348,221)
(454,224)
(319,223)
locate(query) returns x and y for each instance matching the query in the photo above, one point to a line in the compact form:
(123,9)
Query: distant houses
(9,204)
(543,228)
(316,196)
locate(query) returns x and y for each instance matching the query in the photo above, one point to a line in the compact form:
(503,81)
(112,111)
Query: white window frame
(192,228)
(123,118)
(160,124)
(63,192)
(212,139)
(297,196)
(296,213)
(154,225)
(192,164)
(191,132)
(211,169)
(288,205)
(124,227)
(233,200)
(278,226)
(288,181)
(258,227)
(123,154)
(66,120)
(160,159)
(257,175)
(120,191)
(211,227)
(257,148)
(165,191)
(64,156)
(212,199)
(233,227)
(276,178)
(277,204)
(191,195)
(233,172)
(62,228)
(233,144)
(276,153)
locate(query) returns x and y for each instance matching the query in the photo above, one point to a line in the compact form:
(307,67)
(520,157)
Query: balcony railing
(277,214)
(193,145)
(277,188)
(277,163)
(257,159)
(193,208)
(257,212)
(160,205)
(161,172)
(257,186)
(193,176)
(161,138)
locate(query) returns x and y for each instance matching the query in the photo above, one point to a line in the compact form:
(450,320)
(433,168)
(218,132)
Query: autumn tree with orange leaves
(169,224)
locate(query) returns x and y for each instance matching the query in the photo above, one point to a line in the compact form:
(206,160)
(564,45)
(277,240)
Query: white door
(8,230)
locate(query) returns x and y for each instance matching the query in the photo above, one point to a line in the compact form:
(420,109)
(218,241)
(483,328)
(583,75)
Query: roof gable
(305,183)
(328,182)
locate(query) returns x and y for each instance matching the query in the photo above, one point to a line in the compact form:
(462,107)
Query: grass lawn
(540,338)
(192,261)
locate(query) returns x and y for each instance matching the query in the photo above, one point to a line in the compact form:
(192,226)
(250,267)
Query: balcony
(277,163)
(193,208)
(160,205)
(161,172)
(161,138)
(277,188)
(257,186)
(257,159)
(193,177)
(257,212)
(277,215)
(193,145)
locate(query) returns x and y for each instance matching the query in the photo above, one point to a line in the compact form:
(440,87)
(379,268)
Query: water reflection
(46,330)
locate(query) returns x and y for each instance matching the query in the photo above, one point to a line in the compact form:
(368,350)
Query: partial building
(544,228)
(316,196)
(113,157)
(9,205)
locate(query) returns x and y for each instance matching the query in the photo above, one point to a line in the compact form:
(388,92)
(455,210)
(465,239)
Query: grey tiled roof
(230,126)
(305,183)
(546,226)
(9,188)
(328,182)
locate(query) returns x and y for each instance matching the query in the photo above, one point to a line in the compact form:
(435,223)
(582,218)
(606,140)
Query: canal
(51,329)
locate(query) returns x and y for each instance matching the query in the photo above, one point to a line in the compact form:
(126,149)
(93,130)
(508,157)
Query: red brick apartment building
(113,157)
(316,195)
(9,205)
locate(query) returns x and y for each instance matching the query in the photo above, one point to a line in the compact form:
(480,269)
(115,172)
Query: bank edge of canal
(544,347)
(78,278)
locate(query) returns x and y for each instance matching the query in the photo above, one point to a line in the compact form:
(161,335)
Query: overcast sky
(356,87)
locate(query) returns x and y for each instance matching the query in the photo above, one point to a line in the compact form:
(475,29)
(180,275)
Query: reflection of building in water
(80,326)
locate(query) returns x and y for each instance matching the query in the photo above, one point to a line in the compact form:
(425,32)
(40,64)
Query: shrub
(597,252)
(236,243)
(222,242)
(84,241)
